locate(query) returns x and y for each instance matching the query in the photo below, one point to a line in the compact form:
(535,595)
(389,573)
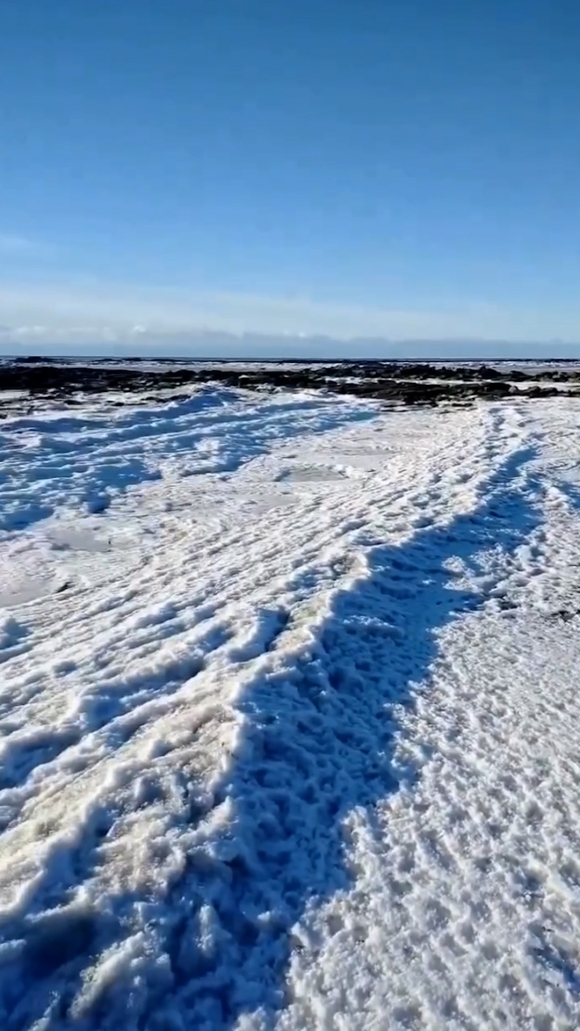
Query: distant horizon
(292,361)
(423,351)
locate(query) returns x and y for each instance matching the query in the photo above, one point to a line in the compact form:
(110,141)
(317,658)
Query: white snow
(289,716)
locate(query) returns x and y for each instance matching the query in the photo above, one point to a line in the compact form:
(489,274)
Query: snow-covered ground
(289,717)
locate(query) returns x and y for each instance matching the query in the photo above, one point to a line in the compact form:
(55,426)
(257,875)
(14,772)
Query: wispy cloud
(16,246)
(131,311)
(82,311)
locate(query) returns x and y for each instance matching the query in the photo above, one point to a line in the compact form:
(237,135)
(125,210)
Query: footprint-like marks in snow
(13,638)
(36,747)
(309,474)
(114,711)
(269,624)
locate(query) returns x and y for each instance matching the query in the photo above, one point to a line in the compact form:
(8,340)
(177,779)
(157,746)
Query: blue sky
(403,169)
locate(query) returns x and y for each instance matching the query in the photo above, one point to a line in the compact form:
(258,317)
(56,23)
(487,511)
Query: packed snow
(289,716)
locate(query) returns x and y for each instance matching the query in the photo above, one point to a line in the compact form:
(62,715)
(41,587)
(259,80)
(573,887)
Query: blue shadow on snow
(319,743)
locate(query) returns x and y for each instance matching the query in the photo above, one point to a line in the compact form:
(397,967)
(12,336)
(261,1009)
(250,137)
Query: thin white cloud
(13,245)
(84,311)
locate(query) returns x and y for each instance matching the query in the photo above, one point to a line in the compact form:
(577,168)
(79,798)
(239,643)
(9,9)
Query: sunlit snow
(289,716)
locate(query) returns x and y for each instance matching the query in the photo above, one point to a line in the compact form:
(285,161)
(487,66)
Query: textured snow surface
(289,719)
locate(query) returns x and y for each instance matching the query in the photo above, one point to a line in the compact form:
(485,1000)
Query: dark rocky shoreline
(421,383)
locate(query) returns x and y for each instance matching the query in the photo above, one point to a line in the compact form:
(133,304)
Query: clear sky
(406,169)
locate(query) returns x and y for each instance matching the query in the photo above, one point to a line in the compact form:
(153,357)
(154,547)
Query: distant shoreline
(252,360)
(27,384)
